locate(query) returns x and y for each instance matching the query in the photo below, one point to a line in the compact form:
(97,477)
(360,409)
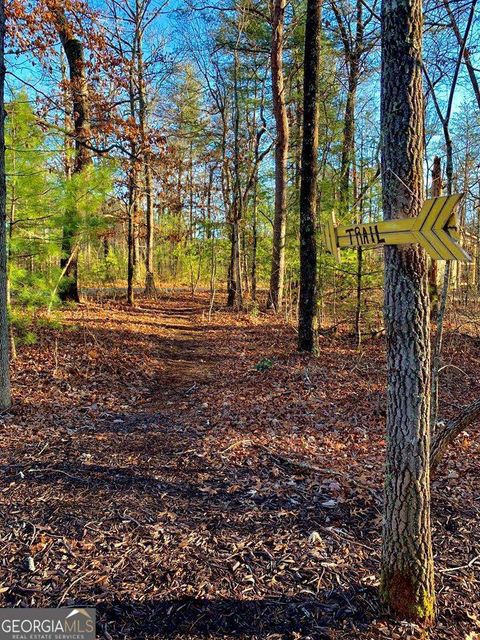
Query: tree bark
(5,396)
(307,318)
(281,155)
(407,581)
(74,53)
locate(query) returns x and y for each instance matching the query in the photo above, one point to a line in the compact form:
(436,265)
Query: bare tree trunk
(80,107)
(254,237)
(433,266)
(235,293)
(359,273)
(348,143)
(132,195)
(257,159)
(442,303)
(446,433)
(445,120)
(5,396)
(147,169)
(407,583)
(353,50)
(281,156)
(235,287)
(150,288)
(307,318)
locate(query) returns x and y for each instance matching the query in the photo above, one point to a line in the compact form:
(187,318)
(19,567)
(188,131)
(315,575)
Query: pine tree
(407,561)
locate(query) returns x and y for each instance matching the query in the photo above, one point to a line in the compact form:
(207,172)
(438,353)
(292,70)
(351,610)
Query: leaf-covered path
(150,469)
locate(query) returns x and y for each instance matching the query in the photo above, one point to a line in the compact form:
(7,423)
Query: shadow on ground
(302,617)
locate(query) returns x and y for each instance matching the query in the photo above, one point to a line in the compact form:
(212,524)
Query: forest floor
(198,479)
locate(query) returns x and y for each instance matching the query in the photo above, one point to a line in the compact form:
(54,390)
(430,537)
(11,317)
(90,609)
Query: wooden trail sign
(435,228)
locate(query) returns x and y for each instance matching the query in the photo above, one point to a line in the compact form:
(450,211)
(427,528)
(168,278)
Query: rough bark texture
(307,319)
(80,108)
(281,156)
(5,399)
(407,583)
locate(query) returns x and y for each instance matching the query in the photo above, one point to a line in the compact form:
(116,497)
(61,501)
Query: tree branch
(445,433)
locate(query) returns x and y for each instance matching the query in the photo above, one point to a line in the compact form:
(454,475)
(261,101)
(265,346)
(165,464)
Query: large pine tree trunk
(281,156)
(5,399)
(80,107)
(407,563)
(307,319)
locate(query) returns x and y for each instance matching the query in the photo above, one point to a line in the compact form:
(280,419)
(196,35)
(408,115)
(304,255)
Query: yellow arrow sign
(435,229)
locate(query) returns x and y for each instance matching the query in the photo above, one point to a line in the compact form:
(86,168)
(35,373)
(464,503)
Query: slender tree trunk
(106,247)
(442,308)
(131,238)
(307,319)
(235,288)
(74,52)
(133,190)
(348,143)
(136,232)
(358,301)
(235,293)
(353,50)
(147,169)
(254,236)
(281,156)
(359,274)
(407,583)
(5,397)
(9,235)
(433,266)
(298,133)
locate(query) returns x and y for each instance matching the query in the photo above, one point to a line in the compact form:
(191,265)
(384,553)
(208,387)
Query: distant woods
(204,166)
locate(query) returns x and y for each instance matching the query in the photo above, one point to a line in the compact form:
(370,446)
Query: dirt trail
(151,470)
